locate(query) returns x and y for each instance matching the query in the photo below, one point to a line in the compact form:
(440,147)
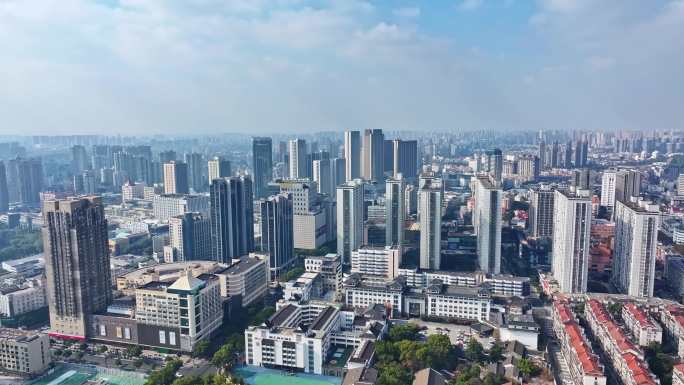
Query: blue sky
(210,66)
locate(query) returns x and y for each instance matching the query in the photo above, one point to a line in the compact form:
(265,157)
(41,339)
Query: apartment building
(672,318)
(19,300)
(24,352)
(376,261)
(642,326)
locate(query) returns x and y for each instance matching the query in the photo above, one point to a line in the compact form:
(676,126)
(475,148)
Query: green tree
(527,368)
(437,352)
(166,375)
(408,331)
(394,373)
(386,351)
(408,354)
(133,351)
(201,349)
(474,351)
(496,352)
(615,309)
(660,363)
(466,376)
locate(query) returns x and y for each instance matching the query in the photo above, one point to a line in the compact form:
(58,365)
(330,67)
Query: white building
(608,188)
(20,300)
(297,151)
(642,326)
(430,194)
(487,219)
(350,198)
(24,352)
(377,261)
(247,278)
(571,228)
(330,269)
(170,205)
(636,236)
(132,191)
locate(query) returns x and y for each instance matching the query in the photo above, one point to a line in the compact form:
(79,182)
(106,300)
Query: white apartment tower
(298,154)
(636,233)
(571,227)
(430,194)
(349,219)
(352,154)
(487,211)
(608,188)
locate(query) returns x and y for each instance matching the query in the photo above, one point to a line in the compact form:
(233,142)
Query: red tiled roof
(639,315)
(590,363)
(641,374)
(679,368)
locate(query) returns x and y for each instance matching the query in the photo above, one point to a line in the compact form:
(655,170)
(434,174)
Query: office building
(18,300)
(79,159)
(329,268)
(338,174)
(377,261)
(395,211)
(76,264)
(314,218)
(405,159)
(634,258)
(277,233)
(262,164)
(493,164)
(541,211)
(581,152)
(219,168)
(499,284)
(608,188)
(372,156)
(4,192)
(245,278)
(189,238)
(571,229)
(131,191)
(195,165)
(627,185)
(430,195)
(487,221)
(298,157)
(232,217)
(350,197)
(581,179)
(166,206)
(24,352)
(322,175)
(352,155)
(176,178)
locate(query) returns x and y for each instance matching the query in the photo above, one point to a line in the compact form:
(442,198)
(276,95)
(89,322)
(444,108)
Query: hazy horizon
(189,67)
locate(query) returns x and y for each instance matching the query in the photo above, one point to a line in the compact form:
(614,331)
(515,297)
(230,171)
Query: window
(127,333)
(162,337)
(119,333)
(172,338)
(103,330)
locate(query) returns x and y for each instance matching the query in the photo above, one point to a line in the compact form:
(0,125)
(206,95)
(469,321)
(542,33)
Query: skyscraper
(76,264)
(298,167)
(405,159)
(555,154)
(4,193)
(571,226)
(636,236)
(218,168)
(581,152)
(190,237)
(277,232)
(568,155)
(79,159)
(195,164)
(493,165)
(352,154)
(543,160)
(541,211)
(372,156)
(322,175)
(627,185)
(262,164)
(581,179)
(25,180)
(487,219)
(430,195)
(338,173)
(176,178)
(232,217)
(395,211)
(608,188)
(350,198)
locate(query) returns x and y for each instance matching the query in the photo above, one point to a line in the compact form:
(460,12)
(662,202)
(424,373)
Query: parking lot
(458,334)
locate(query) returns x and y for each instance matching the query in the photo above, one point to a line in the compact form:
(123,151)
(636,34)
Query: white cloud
(407,12)
(469,5)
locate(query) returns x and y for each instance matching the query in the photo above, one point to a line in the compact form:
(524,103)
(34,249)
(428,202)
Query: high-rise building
(79,159)
(395,211)
(167,156)
(541,211)
(680,185)
(4,193)
(166,206)
(189,237)
(338,173)
(76,264)
(627,185)
(218,168)
(352,155)
(493,164)
(298,155)
(581,152)
(430,195)
(571,229)
(487,220)
(568,155)
(372,157)
(232,217)
(555,154)
(176,178)
(195,165)
(277,232)
(350,197)
(581,179)
(24,180)
(405,159)
(322,175)
(543,159)
(262,164)
(608,188)
(636,236)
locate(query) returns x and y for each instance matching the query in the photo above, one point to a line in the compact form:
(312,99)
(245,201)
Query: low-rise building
(678,374)
(246,277)
(330,269)
(24,352)
(500,284)
(672,318)
(376,261)
(644,329)
(18,300)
